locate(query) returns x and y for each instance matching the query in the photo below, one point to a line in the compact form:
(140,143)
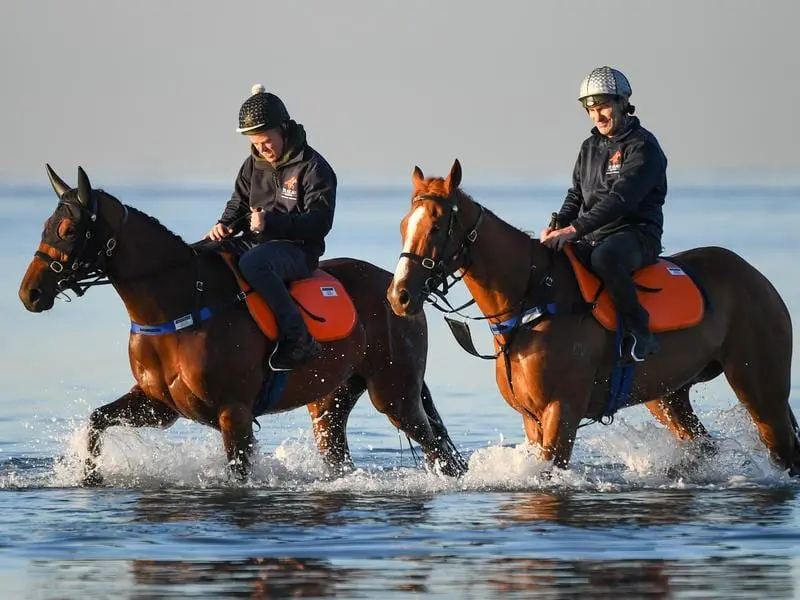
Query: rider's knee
(252,262)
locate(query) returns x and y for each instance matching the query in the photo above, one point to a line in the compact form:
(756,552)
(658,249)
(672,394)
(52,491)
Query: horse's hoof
(337,471)
(454,469)
(92,479)
(708,447)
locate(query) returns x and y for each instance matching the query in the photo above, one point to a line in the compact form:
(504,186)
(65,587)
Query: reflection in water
(442,577)
(718,578)
(559,544)
(247,508)
(650,508)
(252,578)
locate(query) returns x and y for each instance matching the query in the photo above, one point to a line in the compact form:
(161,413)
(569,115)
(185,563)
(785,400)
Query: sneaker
(289,354)
(637,347)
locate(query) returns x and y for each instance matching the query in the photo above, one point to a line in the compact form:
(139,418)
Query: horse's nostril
(34,295)
(404,297)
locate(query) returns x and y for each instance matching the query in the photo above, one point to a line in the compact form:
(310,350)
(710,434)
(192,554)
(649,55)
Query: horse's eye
(66,230)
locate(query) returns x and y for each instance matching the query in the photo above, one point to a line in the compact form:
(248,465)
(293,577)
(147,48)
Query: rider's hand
(545,233)
(218,232)
(558,239)
(257,220)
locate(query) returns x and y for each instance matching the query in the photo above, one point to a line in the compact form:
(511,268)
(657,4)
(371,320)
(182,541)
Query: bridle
(442,270)
(87,256)
(86,262)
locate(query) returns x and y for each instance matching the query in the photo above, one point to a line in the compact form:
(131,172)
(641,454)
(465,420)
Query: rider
(283,200)
(614,208)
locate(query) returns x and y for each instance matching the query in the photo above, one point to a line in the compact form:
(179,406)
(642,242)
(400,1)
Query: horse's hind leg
(440,431)
(759,374)
(134,409)
(329,421)
(400,398)
(675,412)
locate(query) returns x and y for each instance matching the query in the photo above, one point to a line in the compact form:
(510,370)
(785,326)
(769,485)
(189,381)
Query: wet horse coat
(557,371)
(213,371)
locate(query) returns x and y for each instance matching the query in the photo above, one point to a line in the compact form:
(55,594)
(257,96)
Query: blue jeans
(269,267)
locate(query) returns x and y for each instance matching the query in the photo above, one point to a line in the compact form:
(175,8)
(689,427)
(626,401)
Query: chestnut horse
(214,371)
(556,370)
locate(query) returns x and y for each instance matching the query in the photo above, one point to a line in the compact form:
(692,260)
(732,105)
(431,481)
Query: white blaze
(401,272)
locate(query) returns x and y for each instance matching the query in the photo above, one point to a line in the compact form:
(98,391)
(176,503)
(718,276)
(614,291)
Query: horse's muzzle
(35,300)
(402,301)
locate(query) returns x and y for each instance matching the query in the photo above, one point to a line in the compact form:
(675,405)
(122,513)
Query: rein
(81,273)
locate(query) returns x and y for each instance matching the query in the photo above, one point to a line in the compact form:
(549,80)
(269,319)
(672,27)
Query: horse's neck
(500,262)
(150,267)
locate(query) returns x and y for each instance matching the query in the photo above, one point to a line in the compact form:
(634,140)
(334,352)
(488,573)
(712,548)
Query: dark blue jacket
(618,183)
(298,195)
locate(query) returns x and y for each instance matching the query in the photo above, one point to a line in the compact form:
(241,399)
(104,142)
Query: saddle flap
(664,289)
(326,306)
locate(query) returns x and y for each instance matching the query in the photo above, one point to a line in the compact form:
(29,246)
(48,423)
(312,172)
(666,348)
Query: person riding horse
(613,211)
(288,191)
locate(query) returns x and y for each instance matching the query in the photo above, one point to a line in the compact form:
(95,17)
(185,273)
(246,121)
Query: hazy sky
(149,90)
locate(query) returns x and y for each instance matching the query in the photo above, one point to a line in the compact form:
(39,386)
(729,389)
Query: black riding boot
(267,267)
(614,260)
(638,341)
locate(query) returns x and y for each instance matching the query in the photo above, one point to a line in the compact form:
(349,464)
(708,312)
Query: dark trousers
(268,267)
(614,259)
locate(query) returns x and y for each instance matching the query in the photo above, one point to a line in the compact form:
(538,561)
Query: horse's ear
(454,179)
(417,177)
(59,186)
(84,188)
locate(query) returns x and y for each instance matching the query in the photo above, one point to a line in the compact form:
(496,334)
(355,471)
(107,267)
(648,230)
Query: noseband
(441,269)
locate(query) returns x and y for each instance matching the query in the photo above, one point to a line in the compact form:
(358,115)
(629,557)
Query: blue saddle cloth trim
(529,316)
(186,321)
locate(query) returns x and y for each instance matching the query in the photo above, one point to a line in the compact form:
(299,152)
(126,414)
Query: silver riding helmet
(603,84)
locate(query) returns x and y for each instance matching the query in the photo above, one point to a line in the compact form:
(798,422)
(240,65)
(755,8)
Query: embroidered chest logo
(289,189)
(614,163)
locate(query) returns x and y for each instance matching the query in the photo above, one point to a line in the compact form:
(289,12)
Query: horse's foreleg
(329,422)
(559,430)
(134,409)
(236,425)
(533,430)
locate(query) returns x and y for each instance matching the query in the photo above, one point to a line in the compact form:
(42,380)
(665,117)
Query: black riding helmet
(261,111)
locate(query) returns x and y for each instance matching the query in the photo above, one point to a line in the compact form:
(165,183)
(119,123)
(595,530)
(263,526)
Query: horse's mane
(152,219)
(464,194)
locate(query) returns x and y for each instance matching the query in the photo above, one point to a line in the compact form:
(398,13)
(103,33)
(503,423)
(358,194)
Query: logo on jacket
(614,163)
(289,189)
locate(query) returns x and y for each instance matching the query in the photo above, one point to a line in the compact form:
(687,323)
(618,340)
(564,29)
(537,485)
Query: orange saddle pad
(675,301)
(326,306)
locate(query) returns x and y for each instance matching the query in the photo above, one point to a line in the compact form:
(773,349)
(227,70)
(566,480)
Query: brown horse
(556,370)
(214,371)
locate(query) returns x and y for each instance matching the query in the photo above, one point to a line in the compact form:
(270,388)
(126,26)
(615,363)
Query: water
(171,524)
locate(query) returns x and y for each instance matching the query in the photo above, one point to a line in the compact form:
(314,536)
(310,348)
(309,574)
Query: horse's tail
(794,424)
(437,424)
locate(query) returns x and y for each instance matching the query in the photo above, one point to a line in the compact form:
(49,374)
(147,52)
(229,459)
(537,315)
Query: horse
(556,360)
(210,365)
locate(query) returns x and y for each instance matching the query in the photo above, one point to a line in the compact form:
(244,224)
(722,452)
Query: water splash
(623,456)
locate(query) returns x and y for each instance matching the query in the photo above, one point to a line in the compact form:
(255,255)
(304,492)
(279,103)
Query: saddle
(671,297)
(324,303)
